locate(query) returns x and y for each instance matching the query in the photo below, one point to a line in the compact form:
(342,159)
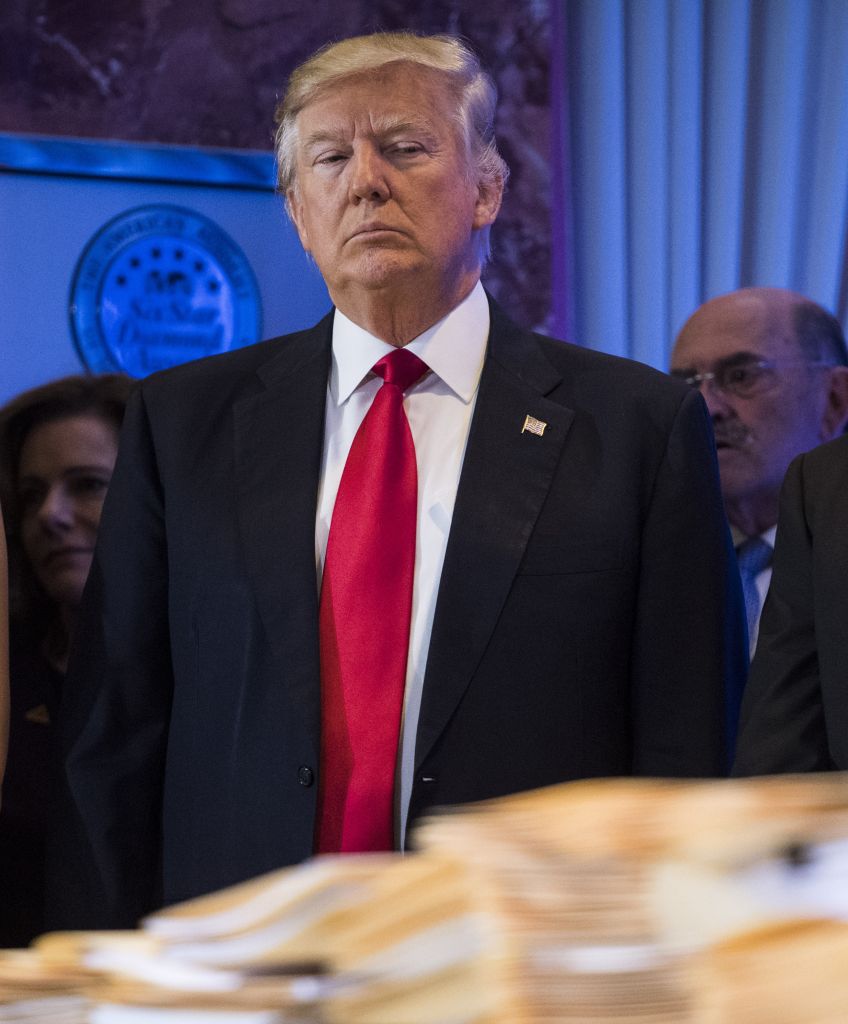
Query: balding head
(771,366)
(778,313)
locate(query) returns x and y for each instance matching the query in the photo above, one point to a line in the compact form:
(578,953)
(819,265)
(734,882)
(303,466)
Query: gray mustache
(732,433)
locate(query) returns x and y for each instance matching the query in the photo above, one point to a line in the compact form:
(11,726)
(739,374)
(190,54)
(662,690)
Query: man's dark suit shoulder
(592,380)
(227,373)
(584,371)
(795,710)
(822,477)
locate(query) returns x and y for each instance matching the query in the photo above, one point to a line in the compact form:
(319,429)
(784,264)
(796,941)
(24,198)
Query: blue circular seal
(160,285)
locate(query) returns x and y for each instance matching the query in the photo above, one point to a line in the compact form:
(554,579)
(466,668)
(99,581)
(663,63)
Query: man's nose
(56,511)
(718,404)
(368,179)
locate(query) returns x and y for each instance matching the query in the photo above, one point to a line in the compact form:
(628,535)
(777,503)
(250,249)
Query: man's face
(758,434)
(385,193)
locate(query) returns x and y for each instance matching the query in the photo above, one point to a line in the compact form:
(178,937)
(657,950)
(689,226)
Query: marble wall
(209,73)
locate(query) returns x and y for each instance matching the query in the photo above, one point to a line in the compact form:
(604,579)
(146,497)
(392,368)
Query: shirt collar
(454,348)
(738,537)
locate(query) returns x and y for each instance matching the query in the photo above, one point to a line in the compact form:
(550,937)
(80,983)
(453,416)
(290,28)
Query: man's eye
(741,376)
(330,158)
(406,148)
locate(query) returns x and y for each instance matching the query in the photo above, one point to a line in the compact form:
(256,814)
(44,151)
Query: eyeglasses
(745,379)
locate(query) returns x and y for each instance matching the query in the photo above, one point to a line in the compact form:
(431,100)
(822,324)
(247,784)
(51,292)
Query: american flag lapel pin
(533,426)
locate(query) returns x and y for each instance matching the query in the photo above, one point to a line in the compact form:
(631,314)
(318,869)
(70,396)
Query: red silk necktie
(364,619)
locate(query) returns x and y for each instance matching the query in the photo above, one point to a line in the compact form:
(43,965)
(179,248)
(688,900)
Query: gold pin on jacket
(533,426)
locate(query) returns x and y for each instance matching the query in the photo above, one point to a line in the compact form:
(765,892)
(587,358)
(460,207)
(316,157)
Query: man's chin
(384,266)
(731,455)
(739,491)
(735,468)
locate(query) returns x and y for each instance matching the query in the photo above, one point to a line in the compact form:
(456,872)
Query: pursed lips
(58,554)
(373,229)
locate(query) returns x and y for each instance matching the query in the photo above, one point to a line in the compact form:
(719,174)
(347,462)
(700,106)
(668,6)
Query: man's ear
(295,208)
(489,196)
(836,404)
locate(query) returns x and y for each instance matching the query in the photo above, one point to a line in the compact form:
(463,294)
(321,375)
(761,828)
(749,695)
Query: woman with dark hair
(58,444)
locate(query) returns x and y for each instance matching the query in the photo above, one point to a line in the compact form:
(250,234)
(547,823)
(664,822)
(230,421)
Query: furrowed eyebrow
(735,359)
(338,136)
(740,358)
(398,127)
(318,138)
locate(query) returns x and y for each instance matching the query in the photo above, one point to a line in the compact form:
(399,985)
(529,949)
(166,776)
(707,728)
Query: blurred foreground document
(601,901)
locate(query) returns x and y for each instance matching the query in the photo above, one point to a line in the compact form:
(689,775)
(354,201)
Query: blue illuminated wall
(49,217)
(702,147)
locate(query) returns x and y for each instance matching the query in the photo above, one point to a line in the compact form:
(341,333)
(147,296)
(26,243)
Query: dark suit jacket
(795,711)
(588,615)
(32,772)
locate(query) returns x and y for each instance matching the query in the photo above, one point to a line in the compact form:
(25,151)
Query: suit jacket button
(305,775)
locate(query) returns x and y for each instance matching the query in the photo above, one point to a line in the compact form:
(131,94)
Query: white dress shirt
(439,409)
(762,580)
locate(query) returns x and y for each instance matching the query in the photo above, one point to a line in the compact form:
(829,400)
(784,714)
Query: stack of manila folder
(599,902)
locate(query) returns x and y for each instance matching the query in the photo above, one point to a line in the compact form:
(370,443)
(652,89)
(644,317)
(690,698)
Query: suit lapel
(278,445)
(505,479)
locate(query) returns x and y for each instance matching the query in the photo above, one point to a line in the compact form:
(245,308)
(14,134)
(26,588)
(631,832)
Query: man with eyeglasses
(771,366)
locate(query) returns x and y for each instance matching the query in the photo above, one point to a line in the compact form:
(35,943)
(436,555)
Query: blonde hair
(473,87)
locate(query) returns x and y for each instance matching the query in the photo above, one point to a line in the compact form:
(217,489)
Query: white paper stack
(31,990)
(598,902)
(611,890)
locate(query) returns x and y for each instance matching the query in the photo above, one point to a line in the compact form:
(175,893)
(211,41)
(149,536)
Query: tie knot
(401,367)
(753,555)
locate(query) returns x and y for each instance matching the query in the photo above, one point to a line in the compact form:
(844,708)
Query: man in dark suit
(254,679)
(771,365)
(794,710)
